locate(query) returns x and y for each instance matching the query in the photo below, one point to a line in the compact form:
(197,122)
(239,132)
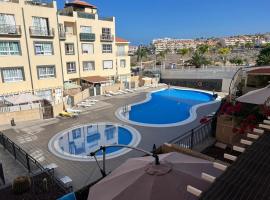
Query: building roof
(121,40)
(95,79)
(22,99)
(260,71)
(247,178)
(81,4)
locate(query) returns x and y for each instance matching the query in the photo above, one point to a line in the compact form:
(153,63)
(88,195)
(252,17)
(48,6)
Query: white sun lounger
(122,91)
(107,95)
(128,90)
(70,110)
(114,93)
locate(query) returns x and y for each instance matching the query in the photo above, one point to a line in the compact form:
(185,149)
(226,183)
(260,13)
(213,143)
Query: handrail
(192,134)
(28,157)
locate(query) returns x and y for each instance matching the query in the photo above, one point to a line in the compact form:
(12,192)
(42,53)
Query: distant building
(174,44)
(132,50)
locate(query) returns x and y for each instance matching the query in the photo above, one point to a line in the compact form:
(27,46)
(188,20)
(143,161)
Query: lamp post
(103,149)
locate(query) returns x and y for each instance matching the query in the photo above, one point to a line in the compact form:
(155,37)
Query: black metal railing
(30,163)
(36,31)
(86,15)
(106,38)
(87,37)
(196,135)
(6,29)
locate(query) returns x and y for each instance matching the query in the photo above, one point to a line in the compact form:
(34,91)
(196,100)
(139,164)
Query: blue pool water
(81,141)
(167,106)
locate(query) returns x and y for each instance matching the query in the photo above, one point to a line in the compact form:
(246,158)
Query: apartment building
(41,48)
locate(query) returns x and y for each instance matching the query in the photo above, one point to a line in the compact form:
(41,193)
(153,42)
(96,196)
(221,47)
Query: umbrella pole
(104,158)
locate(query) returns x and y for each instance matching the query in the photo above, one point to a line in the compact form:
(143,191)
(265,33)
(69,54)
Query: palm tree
(141,53)
(203,48)
(163,55)
(183,52)
(264,57)
(224,52)
(198,60)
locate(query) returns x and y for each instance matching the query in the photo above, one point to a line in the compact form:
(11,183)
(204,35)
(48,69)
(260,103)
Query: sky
(140,21)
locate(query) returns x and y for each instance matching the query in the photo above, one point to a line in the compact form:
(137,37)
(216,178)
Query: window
(7,23)
(13,74)
(69,49)
(87,48)
(88,66)
(76,133)
(71,67)
(9,48)
(86,29)
(43,48)
(121,50)
(45,94)
(106,48)
(122,63)
(107,64)
(46,71)
(69,30)
(106,31)
(40,26)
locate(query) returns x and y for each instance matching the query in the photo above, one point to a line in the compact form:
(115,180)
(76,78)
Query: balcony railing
(110,19)
(62,35)
(106,38)
(10,30)
(122,53)
(43,3)
(36,31)
(87,37)
(85,15)
(12,1)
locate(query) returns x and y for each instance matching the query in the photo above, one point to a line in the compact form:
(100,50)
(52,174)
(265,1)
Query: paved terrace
(34,137)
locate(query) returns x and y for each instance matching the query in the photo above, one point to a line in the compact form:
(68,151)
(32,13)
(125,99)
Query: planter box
(224,131)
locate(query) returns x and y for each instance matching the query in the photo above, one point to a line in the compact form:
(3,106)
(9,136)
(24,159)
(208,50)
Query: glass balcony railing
(62,35)
(85,15)
(87,37)
(121,53)
(106,38)
(36,31)
(11,30)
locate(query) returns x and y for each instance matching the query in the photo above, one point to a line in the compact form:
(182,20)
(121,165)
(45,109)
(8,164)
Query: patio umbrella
(141,179)
(258,97)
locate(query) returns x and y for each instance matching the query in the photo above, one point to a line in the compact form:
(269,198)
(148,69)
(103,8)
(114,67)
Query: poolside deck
(33,137)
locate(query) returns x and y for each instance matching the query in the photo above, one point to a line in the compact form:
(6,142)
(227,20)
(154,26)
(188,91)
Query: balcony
(106,38)
(12,1)
(43,3)
(62,35)
(109,19)
(85,15)
(10,30)
(90,37)
(36,31)
(122,53)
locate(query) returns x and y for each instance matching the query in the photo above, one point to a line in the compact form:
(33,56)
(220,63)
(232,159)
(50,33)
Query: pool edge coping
(191,118)
(134,142)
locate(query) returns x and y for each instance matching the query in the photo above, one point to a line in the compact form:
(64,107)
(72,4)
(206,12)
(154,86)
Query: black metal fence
(196,135)
(30,163)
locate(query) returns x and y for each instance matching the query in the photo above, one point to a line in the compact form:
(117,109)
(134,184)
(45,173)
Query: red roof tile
(81,3)
(263,70)
(118,39)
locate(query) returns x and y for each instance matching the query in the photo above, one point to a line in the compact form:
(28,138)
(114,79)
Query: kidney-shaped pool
(169,107)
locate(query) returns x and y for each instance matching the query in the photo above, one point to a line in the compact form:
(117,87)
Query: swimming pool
(167,107)
(78,142)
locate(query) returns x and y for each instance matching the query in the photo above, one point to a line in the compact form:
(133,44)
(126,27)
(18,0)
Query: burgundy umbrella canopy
(141,179)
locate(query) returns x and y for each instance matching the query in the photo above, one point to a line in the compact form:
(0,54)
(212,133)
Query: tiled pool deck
(33,137)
